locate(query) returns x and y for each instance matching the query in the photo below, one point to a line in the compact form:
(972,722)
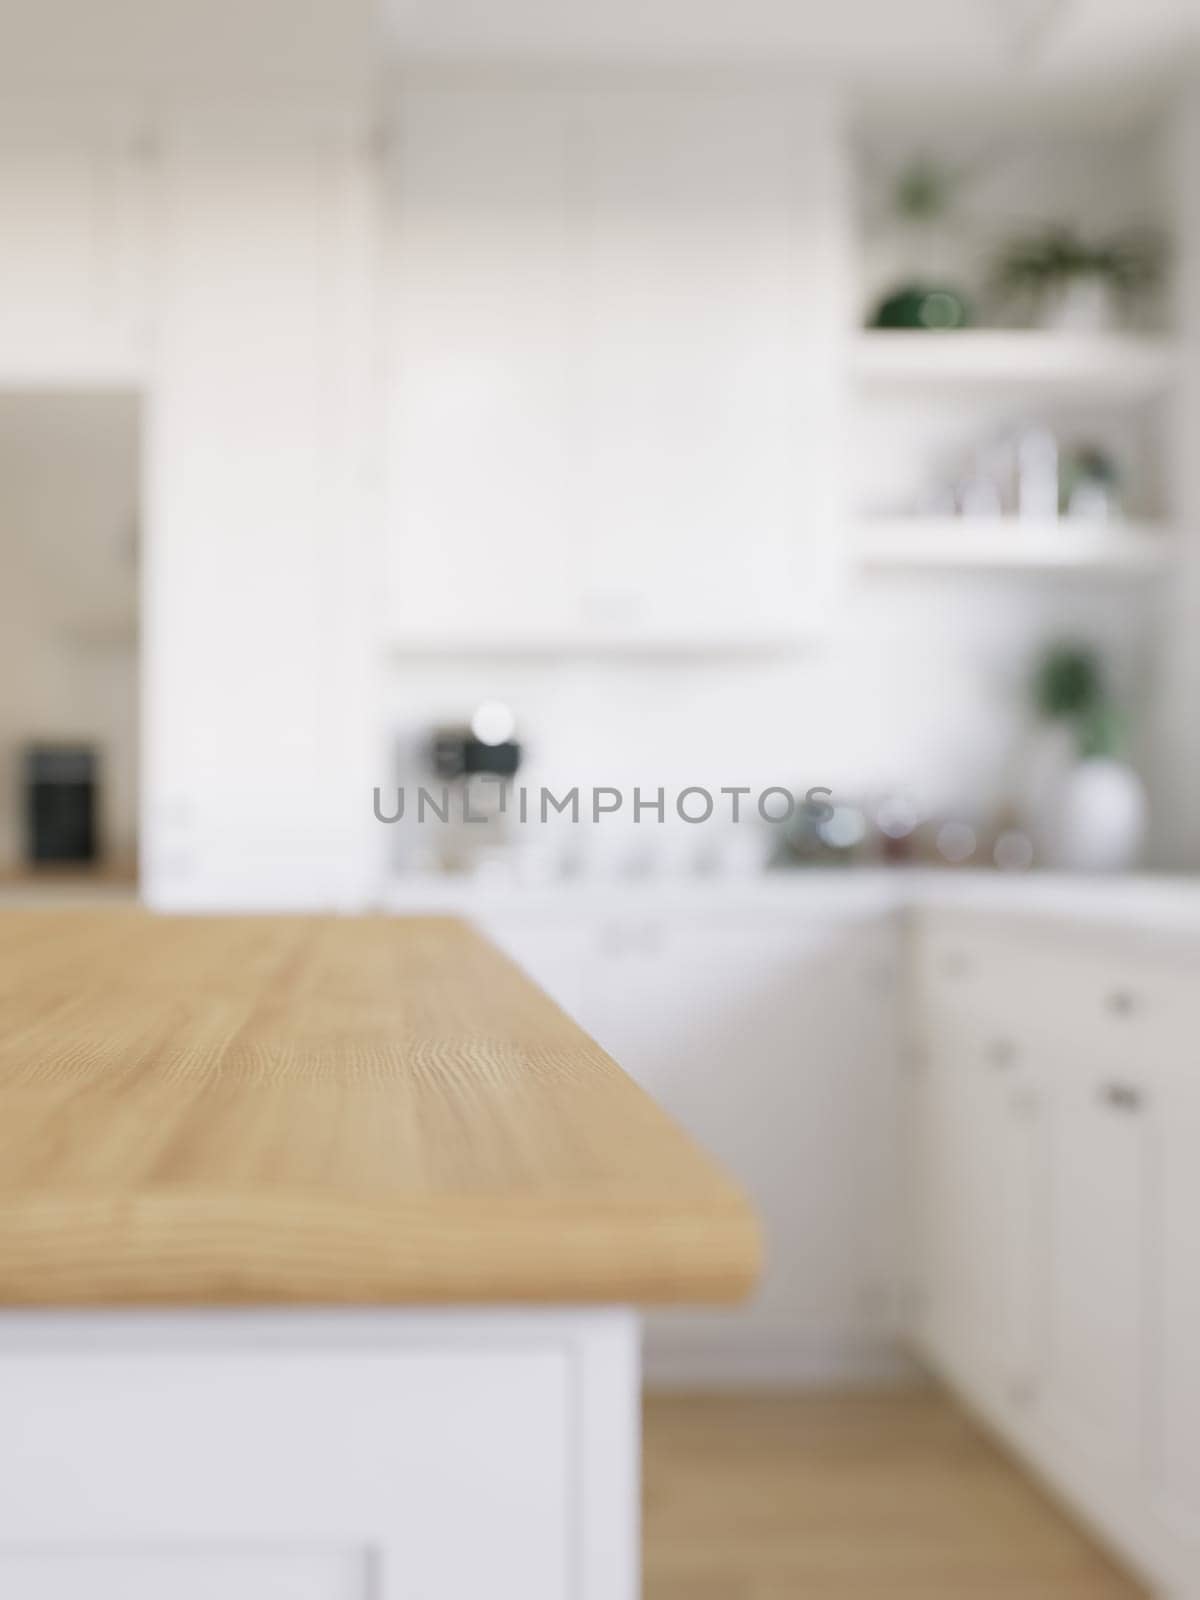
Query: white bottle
(1037,475)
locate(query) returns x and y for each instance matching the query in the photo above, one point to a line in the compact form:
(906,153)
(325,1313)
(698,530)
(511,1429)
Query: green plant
(1069,687)
(1067,683)
(925,189)
(1132,262)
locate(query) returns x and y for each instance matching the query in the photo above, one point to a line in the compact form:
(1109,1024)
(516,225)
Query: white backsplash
(920,684)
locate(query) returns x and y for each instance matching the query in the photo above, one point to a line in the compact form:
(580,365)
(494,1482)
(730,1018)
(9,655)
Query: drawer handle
(1122,1097)
(1001,1053)
(1024,1105)
(1121,1002)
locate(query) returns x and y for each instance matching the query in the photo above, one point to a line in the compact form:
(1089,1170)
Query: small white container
(1101,821)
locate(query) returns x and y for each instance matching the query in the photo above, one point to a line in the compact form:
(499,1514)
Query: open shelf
(1094,366)
(585,644)
(1002,543)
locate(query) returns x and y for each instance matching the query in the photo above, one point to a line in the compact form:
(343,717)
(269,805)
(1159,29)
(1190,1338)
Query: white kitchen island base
(374,1454)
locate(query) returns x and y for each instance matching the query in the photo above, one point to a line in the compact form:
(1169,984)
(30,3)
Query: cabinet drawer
(1074,995)
(192,1573)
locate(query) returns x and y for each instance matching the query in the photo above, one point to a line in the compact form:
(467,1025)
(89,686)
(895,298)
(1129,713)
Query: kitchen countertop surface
(1153,901)
(1167,900)
(328,1110)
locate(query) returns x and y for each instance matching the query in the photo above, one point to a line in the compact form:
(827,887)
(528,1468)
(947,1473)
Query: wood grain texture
(885,1495)
(328,1110)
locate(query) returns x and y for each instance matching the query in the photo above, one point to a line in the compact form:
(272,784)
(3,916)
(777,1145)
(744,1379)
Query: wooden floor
(879,1496)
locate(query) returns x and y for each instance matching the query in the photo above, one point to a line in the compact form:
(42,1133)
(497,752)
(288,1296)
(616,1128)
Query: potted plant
(1086,804)
(919,206)
(1056,279)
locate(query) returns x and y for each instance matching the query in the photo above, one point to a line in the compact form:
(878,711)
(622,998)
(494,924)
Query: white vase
(1098,821)
(1084,305)
(1049,756)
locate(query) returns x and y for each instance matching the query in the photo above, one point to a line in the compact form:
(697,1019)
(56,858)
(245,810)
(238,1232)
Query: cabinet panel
(1175,1219)
(1098,1282)
(192,1574)
(1038,1144)
(481,519)
(613,394)
(980,1154)
(275,1470)
(771,1041)
(708,322)
(256,642)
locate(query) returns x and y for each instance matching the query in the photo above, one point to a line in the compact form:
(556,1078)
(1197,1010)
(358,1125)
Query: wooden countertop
(315,1110)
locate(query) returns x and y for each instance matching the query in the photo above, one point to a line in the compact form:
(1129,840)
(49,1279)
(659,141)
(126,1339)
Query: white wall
(69,513)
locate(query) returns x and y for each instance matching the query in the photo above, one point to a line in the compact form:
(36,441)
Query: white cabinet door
(980,1167)
(256,637)
(710,313)
(1175,1222)
(1036,1119)
(770,1039)
(1180,1312)
(980,1161)
(1098,1224)
(613,391)
(479,284)
(74,204)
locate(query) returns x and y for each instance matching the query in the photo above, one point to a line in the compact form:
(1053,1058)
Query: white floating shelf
(584,643)
(1095,366)
(1002,543)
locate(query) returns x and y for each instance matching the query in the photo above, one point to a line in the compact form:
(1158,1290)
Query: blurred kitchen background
(671,393)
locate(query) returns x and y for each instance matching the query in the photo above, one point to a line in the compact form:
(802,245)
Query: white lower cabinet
(981,1129)
(1178,1142)
(1100,1242)
(769,1035)
(374,1453)
(1056,1174)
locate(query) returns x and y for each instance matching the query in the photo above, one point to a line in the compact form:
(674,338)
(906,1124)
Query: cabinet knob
(1121,1002)
(610,608)
(1122,1097)
(1001,1052)
(1022,1391)
(1025,1105)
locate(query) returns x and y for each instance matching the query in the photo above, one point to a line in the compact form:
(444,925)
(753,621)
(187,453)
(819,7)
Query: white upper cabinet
(74,203)
(479,275)
(614,406)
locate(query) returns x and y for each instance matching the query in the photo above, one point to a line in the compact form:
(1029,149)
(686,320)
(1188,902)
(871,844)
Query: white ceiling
(964,49)
(1066,46)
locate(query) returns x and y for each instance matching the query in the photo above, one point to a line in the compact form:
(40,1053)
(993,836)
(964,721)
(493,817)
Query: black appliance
(458,753)
(60,791)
